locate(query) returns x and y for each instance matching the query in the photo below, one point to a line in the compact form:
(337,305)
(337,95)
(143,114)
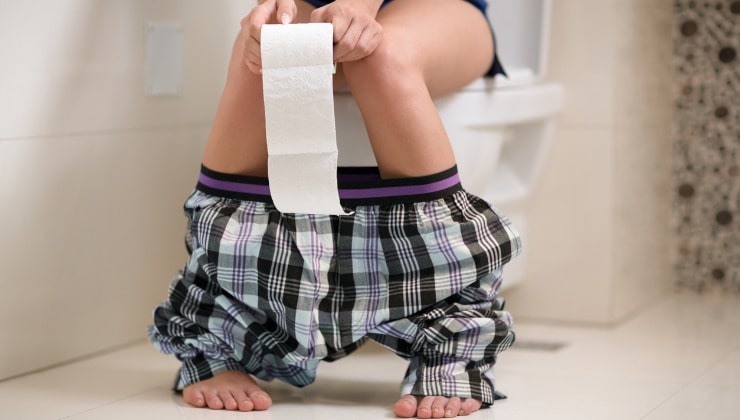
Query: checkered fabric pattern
(273,294)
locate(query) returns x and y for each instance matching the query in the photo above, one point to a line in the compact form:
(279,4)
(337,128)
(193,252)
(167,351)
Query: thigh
(451,39)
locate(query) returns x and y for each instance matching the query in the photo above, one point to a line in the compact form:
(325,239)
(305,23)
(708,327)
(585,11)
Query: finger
(346,43)
(326,14)
(251,33)
(254,63)
(252,24)
(286,11)
(367,43)
(251,54)
(318,15)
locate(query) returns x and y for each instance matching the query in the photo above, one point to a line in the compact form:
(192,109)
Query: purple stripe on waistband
(359,185)
(234,186)
(359,193)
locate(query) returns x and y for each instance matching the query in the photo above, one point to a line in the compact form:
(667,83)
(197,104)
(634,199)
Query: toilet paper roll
(297,68)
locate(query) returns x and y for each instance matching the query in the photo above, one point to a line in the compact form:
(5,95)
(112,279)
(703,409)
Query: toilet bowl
(500,128)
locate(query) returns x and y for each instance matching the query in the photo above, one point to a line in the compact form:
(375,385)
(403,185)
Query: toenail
(448,413)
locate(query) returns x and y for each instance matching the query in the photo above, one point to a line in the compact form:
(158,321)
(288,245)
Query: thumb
(319,15)
(286,11)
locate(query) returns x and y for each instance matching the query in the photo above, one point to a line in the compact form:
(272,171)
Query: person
(416,268)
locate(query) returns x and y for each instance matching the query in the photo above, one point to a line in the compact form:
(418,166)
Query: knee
(392,64)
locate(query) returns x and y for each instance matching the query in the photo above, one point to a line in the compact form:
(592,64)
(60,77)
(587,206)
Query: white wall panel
(93,172)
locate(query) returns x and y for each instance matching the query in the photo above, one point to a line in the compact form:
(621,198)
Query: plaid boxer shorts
(416,268)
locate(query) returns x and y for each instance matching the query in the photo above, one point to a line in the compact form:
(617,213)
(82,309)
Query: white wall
(599,237)
(93,173)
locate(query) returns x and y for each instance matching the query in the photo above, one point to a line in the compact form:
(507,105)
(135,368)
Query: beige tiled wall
(599,235)
(93,173)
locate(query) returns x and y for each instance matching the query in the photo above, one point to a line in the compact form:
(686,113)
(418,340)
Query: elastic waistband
(358,186)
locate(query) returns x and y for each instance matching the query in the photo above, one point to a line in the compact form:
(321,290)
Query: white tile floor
(679,359)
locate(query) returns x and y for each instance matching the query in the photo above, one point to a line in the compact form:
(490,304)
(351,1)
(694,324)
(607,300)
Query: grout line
(69,416)
(74,360)
(690,383)
(663,298)
(665,401)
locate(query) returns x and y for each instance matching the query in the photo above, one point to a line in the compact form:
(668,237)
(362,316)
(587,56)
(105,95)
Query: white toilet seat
(491,102)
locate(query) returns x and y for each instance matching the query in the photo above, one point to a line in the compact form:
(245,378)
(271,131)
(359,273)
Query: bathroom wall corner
(642,155)
(599,238)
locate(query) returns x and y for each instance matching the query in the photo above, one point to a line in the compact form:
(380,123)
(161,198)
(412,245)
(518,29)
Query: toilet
(500,128)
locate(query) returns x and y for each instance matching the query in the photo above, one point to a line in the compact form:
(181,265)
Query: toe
(194,397)
(242,401)
(405,407)
(424,411)
(261,400)
(453,407)
(438,407)
(470,405)
(213,401)
(228,400)
(231,390)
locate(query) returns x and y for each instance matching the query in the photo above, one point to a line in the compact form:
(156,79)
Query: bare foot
(228,390)
(434,407)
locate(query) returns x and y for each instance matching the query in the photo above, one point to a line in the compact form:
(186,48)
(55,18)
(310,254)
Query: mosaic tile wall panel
(707,145)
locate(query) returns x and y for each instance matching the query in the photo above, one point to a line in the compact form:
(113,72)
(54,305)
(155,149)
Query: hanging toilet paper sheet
(297,69)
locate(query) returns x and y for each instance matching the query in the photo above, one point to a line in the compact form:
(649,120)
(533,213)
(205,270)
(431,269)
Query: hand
(268,11)
(356,32)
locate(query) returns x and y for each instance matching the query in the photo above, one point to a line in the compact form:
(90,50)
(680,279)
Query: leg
(236,143)
(443,280)
(214,321)
(453,354)
(180,328)
(430,48)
